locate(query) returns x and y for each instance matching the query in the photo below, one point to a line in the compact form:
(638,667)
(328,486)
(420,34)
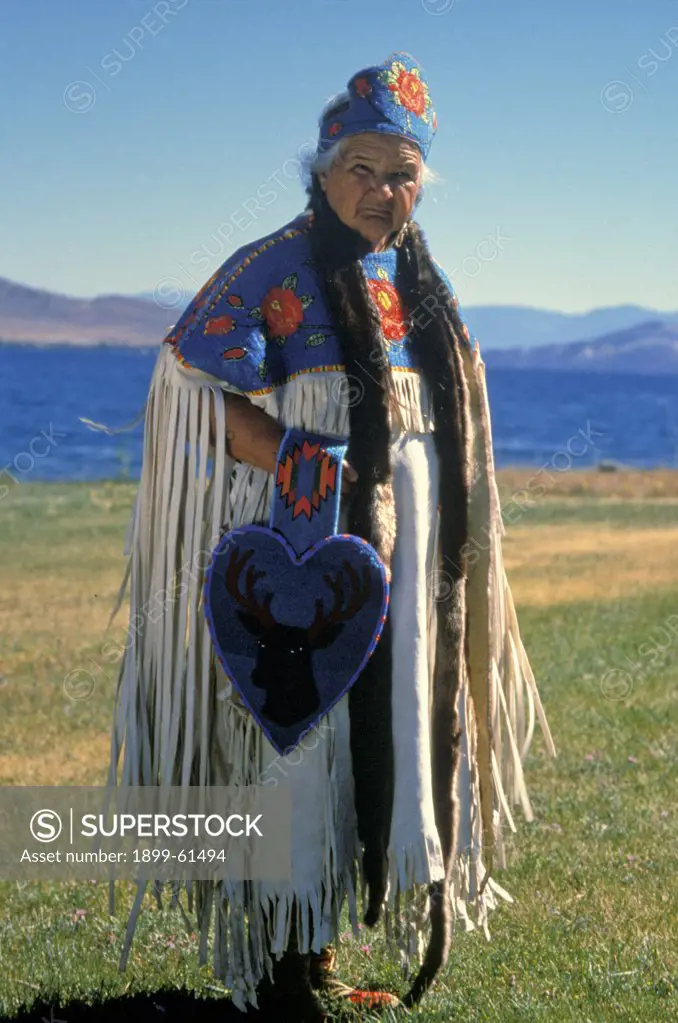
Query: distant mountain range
(616,339)
(506,326)
(35,316)
(649,348)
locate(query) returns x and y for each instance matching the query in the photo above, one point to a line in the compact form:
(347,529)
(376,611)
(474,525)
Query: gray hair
(323,160)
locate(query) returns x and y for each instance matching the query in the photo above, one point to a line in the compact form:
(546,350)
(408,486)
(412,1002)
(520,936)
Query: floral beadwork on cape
(392,313)
(262,320)
(219,325)
(282,310)
(211,298)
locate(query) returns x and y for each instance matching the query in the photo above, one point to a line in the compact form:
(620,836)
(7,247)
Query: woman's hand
(348,478)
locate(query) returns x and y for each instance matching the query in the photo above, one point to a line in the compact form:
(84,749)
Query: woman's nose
(385,188)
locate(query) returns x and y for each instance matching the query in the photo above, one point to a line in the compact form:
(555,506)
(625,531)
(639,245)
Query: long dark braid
(437,330)
(336,250)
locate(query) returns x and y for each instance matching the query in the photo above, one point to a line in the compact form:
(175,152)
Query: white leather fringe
(178,721)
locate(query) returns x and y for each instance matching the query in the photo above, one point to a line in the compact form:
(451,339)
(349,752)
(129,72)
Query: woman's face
(373,184)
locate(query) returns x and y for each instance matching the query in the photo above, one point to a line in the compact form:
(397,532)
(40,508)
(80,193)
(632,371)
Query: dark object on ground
(291,995)
(158,1007)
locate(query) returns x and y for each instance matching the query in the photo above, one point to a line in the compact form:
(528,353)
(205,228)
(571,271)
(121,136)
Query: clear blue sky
(118,181)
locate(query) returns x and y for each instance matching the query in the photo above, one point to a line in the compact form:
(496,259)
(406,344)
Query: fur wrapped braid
(437,328)
(438,346)
(336,250)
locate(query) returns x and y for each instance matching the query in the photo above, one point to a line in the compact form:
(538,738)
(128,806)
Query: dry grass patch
(82,761)
(551,565)
(626,484)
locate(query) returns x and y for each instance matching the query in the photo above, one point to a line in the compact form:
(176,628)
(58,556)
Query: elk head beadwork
(295,610)
(284,668)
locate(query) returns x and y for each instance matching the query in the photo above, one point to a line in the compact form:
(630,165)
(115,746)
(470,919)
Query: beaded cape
(260,320)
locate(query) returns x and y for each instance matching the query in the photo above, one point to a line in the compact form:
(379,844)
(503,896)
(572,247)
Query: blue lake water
(538,417)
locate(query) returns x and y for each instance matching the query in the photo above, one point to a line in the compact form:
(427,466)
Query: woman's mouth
(378,214)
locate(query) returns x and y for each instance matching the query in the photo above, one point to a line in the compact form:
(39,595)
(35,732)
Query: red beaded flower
(391,310)
(409,91)
(282,310)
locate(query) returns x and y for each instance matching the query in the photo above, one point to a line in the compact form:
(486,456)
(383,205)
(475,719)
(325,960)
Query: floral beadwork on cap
(408,88)
(391,98)
(362,86)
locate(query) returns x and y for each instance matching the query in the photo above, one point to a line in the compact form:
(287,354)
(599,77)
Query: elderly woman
(339,323)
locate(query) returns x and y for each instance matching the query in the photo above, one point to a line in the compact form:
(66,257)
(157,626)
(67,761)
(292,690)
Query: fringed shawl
(170,685)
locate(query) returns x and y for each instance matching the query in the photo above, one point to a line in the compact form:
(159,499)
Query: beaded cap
(392,98)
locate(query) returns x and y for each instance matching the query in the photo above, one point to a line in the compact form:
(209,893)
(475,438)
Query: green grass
(614,514)
(593,933)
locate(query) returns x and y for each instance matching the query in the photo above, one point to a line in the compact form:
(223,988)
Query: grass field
(593,934)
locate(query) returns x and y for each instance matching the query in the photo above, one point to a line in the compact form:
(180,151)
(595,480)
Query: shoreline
(530,484)
(488,355)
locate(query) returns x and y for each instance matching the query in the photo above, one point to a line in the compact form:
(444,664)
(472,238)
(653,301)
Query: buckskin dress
(259,327)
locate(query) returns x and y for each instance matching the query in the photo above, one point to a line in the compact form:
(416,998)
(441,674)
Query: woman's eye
(399,177)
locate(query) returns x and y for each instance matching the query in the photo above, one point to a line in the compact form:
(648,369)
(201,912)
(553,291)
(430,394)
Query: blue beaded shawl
(261,320)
